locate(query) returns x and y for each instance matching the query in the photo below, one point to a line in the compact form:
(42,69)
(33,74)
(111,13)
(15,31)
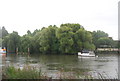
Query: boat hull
(2,52)
(85,54)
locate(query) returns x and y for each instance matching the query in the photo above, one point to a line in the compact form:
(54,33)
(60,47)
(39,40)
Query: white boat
(2,51)
(86,54)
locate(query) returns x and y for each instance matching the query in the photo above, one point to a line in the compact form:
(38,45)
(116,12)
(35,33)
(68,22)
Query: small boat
(2,51)
(86,53)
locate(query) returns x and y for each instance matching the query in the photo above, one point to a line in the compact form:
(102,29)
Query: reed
(29,72)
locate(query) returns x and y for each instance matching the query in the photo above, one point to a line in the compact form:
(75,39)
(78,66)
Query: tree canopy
(101,38)
(66,39)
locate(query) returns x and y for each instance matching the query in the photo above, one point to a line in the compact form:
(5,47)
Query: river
(105,64)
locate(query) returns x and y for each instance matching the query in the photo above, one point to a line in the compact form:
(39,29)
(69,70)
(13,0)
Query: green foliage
(11,41)
(74,27)
(29,32)
(84,40)
(105,41)
(26,41)
(64,35)
(101,39)
(4,32)
(48,41)
(30,40)
(66,39)
(27,72)
(97,35)
(73,39)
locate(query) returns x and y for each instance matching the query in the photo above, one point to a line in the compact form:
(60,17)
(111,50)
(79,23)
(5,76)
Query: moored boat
(86,53)
(2,51)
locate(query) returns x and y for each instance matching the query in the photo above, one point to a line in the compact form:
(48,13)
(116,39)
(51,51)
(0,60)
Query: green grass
(27,72)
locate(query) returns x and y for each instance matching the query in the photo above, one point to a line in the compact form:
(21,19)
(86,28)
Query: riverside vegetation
(66,39)
(29,72)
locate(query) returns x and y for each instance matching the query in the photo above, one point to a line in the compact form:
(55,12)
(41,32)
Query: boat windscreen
(85,51)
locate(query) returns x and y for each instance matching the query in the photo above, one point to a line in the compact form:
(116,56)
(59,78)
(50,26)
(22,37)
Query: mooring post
(28,50)
(17,50)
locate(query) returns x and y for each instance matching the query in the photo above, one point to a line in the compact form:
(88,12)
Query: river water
(70,65)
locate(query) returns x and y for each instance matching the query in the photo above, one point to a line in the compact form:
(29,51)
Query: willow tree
(84,40)
(101,38)
(65,37)
(48,41)
(26,42)
(97,35)
(12,41)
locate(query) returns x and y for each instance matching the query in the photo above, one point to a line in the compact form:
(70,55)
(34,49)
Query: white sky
(23,15)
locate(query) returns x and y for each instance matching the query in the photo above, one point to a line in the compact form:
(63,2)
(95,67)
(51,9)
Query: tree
(48,41)
(64,35)
(35,42)
(5,41)
(84,40)
(97,35)
(73,39)
(35,32)
(29,32)
(66,39)
(11,42)
(74,27)
(4,32)
(105,41)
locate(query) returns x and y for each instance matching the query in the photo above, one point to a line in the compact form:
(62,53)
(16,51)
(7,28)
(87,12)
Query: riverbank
(107,52)
(28,72)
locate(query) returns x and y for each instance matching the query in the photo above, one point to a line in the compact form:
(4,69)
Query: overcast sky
(23,15)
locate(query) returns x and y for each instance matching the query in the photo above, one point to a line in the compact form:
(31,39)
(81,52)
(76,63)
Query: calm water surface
(52,65)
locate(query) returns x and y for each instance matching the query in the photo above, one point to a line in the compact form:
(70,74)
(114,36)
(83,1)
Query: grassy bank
(28,72)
